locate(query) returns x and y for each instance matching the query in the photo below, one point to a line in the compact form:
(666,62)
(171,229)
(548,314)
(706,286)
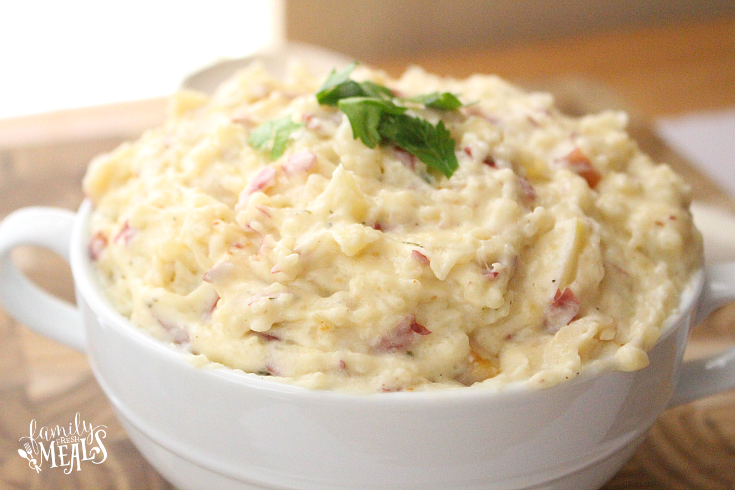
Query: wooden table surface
(649,72)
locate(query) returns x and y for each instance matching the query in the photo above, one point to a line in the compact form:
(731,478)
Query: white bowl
(318,60)
(205,427)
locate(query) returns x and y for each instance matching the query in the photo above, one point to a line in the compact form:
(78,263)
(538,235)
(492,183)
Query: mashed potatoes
(556,245)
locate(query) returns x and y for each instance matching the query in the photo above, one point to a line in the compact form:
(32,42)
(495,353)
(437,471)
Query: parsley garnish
(366,115)
(338,86)
(277,131)
(377,118)
(444,101)
(433,145)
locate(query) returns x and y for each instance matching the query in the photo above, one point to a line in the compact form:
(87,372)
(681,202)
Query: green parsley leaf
(338,86)
(433,145)
(371,89)
(377,121)
(365,114)
(278,131)
(331,96)
(377,118)
(282,133)
(445,101)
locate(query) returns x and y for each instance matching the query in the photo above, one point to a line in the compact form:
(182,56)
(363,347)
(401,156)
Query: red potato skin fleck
(418,328)
(247,225)
(580,164)
(210,311)
(490,274)
(267,337)
(310,121)
(563,309)
(489,161)
(259,296)
(263,248)
(263,210)
(423,259)
(97,245)
(262,180)
(126,233)
(218,272)
(244,121)
(403,335)
(474,111)
(272,369)
(177,333)
(617,269)
(303,161)
(406,158)
(529,193)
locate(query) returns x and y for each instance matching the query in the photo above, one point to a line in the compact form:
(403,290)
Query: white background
(74,53)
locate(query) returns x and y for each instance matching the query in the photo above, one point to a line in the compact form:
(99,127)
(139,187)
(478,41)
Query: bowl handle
(711,375)
(46,314)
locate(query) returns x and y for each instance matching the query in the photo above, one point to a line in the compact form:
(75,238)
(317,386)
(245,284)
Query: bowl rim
(88,288)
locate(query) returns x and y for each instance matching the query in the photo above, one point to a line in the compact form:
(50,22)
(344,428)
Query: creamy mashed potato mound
(556,246)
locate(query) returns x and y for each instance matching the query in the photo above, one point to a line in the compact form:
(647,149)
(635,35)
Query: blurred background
(375,29)
(78,77)
(79,53)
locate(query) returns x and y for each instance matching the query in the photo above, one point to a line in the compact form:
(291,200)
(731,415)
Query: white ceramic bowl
(206,428)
